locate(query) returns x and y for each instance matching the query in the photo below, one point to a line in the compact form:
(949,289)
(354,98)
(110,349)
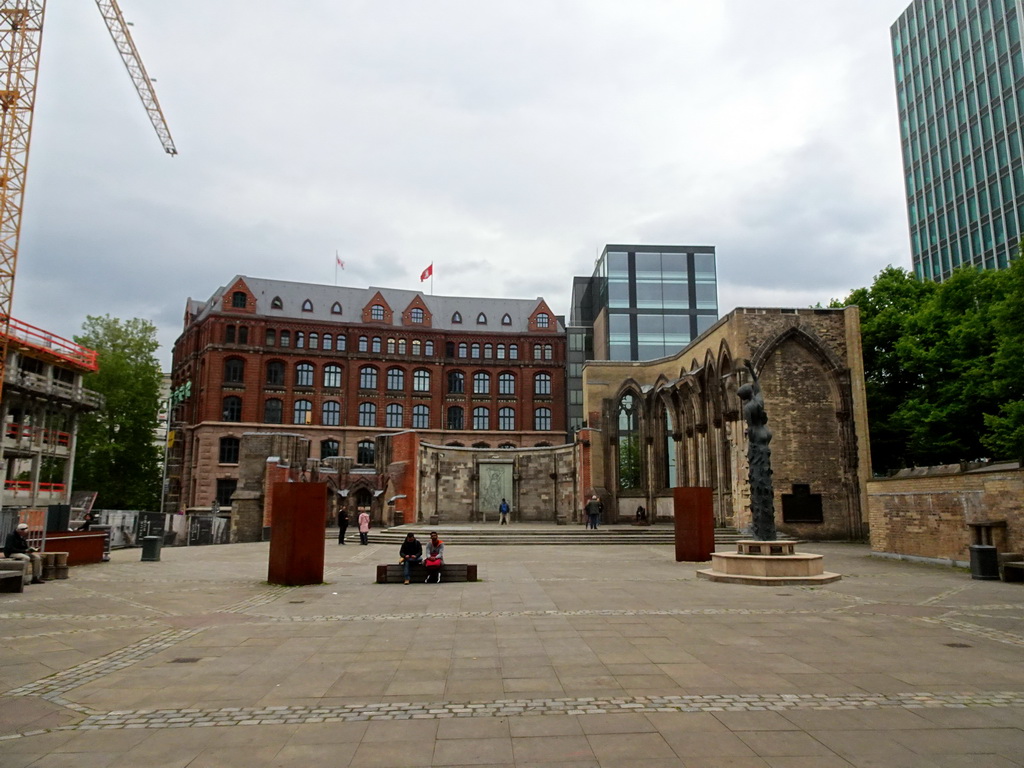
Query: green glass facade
(960,89)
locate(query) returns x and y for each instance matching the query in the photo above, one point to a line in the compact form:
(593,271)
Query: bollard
(151,548)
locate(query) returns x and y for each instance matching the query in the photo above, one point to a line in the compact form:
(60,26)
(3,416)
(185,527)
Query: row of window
(416,347)
(394,415)
(234,373)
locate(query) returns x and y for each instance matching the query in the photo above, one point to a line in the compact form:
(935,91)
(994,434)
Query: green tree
(116,454)
(1004,435)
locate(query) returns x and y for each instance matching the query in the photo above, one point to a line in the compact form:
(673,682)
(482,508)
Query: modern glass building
(642,302)
(960,87)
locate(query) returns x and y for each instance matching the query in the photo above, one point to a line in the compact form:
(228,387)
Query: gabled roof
(353,300)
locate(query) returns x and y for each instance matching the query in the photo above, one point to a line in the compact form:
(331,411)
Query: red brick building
(341,365)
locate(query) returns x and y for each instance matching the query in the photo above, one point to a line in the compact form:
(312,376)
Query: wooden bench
(393,573)
(1013,571)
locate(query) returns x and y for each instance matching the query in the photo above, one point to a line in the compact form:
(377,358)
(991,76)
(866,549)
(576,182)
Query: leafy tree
(1005,429)
(116,453)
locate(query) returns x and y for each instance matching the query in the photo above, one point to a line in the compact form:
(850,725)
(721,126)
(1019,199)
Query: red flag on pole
(428,272)
(341,263)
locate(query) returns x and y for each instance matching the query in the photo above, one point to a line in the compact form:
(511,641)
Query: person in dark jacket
(17,548)
(342,525)
(411,553)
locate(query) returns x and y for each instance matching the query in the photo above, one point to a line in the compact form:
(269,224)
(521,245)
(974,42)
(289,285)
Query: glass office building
(642,302)
(960,89)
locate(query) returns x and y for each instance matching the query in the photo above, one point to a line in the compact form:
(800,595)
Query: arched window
(229,450)
(276,303)
(481,319)
(272,411)
(542,384)
(507,419)
(391,346)
(481,418)
(393,416)
(364,344)
(229,334)
(304,375)
(243,334)
(336,308)
(513,351)
(314,340)
(481,383)
(421,380)
(420,417)
(377,312)
(428,348)
(455,419)
(506,383)
(300,340)
(548,350)
(307,306)
(341,343)
(463,349)
(506,446)
(275,373)
(543,320)
(331,413)
(271,337)
(417,347)
(234,370)
(501,351)
(488,350)
(375,344)
(538,352)
(329,449)
(481,445)
(507,319)
(332,374)
(328,342)
(456,382)
(238,299)
(396,379)
(232,409)
(364,452)
(367,415)
(286,338)
(401,346)
(474,351)
(367,377)
(542,419)
(302,412)
(416,315)
(629,442)
(456,318)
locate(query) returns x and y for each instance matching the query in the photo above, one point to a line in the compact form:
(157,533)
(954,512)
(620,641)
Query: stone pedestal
(767,563)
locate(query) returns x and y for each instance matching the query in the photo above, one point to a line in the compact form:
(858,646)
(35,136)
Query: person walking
(503,510)
(411,554)
(364,527)
(593,510)
(342,525)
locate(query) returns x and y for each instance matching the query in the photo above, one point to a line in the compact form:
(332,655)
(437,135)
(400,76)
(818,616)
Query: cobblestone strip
(264,597)
(988,633)
(134,624)
(104,617)
(943,595)
(127,601)
(52,687)
(545,614)
(779,702)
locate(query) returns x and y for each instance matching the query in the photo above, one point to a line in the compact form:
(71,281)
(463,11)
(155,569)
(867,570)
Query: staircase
(492,534)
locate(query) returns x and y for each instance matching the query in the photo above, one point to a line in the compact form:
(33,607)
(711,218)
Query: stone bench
(14,575)
(1013,571)
(393,573)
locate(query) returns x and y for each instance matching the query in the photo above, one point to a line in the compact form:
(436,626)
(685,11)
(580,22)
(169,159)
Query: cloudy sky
(504,142)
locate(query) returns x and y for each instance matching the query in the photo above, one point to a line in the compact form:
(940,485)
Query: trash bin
(151,548)
(984,562)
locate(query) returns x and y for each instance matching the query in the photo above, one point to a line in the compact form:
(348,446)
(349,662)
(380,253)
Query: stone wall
(926,512)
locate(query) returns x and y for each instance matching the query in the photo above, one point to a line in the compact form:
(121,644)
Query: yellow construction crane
(21,33)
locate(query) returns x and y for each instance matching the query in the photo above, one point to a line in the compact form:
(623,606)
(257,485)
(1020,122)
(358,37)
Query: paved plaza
(561,656)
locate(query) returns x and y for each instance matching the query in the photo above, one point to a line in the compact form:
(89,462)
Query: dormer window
(307,306)
(507,319)
(276,303)
(336,308)
(481,319)
(416,315)
(238,300)
(377,312)
(543,320)
(456,318)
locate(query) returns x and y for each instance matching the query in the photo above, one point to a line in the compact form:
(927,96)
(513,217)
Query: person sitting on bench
(17,548)
(434,559)
(410,554)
